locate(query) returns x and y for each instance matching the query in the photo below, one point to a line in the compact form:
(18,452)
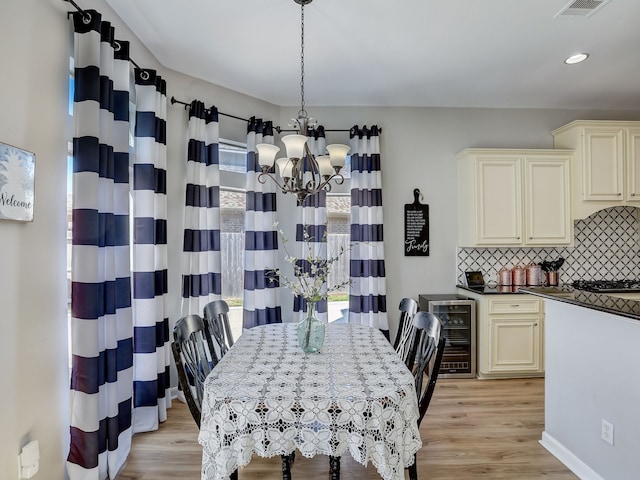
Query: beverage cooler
(458,316)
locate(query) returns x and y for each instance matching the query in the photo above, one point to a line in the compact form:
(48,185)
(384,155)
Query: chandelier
(320,170)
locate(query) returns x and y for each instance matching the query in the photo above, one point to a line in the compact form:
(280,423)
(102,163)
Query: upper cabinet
(514,198)
(607,168)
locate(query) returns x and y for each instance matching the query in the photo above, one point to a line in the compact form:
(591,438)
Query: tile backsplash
(606,247)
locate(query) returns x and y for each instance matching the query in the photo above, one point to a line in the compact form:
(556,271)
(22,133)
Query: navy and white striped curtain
(312,219)
(261,303)
(101,314)
(368,291)
(202,275)
(151,341)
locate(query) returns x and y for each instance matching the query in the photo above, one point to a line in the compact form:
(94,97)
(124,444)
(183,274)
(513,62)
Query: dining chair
(194,358)
(216,317)
(426,346)
(198,346)
(403,343)
(429,348)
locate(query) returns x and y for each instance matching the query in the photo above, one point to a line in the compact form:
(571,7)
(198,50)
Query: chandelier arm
(339,180)
(272,177)
(297,175)
(313,166)
(326,186)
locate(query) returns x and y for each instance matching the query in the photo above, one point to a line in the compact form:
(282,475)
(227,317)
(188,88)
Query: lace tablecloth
(267,397)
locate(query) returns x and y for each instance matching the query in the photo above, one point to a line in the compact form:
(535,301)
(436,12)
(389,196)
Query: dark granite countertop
(596,301)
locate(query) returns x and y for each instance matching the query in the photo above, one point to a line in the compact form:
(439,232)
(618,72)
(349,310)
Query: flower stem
(310,309)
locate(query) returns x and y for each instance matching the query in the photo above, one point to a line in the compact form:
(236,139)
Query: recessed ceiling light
(577,58)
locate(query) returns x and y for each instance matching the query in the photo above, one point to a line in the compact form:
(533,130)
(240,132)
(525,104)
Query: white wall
(592,363)
(35,44)
(34,374)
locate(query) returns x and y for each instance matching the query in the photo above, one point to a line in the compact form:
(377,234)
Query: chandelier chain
(302,112)
(302,174)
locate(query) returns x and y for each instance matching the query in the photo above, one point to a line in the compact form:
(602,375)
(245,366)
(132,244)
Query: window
(70,204)
(338,236)
(232,158)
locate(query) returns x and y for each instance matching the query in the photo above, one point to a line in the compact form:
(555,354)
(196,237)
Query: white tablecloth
(269,398)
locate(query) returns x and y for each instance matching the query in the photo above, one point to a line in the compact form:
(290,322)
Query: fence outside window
(232,245)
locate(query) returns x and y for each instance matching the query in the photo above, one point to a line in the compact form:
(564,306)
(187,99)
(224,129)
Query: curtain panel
(312,224)
(151,340)
(368,293)
(101,314)
(261,302)
(202,271)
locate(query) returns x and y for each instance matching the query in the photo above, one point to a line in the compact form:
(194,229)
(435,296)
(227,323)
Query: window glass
(70,204)
(233,156)
(338,235)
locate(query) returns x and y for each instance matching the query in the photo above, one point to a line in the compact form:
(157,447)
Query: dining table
(267,397)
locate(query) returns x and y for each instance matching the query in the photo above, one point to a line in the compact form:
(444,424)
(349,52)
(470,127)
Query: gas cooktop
(607,286)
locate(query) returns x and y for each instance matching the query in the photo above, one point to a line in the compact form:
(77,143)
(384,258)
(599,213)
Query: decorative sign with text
(416,227)
(17,170)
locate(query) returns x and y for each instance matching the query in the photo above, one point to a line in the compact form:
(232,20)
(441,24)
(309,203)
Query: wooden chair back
(404,341)
(216,316)
(195,358)
(429,346)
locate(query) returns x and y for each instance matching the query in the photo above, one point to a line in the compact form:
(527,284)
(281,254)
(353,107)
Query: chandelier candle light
(320,170)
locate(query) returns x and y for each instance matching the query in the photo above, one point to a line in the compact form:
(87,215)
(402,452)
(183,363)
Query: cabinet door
(633,165)
(603,163)
(499,201)
(515,344)
(547,201)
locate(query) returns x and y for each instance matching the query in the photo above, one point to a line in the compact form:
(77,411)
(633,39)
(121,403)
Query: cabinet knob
(619,194)
(516,305)
(633,194)
(535,324)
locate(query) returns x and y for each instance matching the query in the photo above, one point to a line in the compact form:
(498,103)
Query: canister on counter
(504,276)
(534,274)
(518,276)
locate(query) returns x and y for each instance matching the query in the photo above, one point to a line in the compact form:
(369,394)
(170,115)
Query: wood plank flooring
(474,429)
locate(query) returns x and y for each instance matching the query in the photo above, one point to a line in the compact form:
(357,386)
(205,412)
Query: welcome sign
(17,173)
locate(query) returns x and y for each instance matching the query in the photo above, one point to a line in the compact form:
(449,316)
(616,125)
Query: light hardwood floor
(474,429)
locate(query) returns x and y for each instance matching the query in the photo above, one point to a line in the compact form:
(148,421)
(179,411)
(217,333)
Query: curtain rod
(277,129)
(187,105)
(88,17)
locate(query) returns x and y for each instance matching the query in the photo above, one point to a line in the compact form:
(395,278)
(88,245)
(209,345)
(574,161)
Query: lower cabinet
(510,335)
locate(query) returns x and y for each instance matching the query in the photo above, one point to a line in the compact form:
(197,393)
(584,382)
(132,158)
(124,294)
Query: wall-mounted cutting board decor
(416,227)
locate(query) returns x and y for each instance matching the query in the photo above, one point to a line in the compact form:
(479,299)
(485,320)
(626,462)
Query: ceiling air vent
(581,8)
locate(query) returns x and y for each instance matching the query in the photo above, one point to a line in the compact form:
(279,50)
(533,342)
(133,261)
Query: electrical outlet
(607,432)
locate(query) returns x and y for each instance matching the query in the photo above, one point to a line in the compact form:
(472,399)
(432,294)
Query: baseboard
(174,393)
(573,463)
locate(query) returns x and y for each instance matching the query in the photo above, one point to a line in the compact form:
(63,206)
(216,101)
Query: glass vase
(311,331)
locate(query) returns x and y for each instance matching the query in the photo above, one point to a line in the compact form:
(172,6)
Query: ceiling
(437,53)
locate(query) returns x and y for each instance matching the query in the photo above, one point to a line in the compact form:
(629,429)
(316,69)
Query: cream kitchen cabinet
(514,197)
(510,335)
(607,168)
